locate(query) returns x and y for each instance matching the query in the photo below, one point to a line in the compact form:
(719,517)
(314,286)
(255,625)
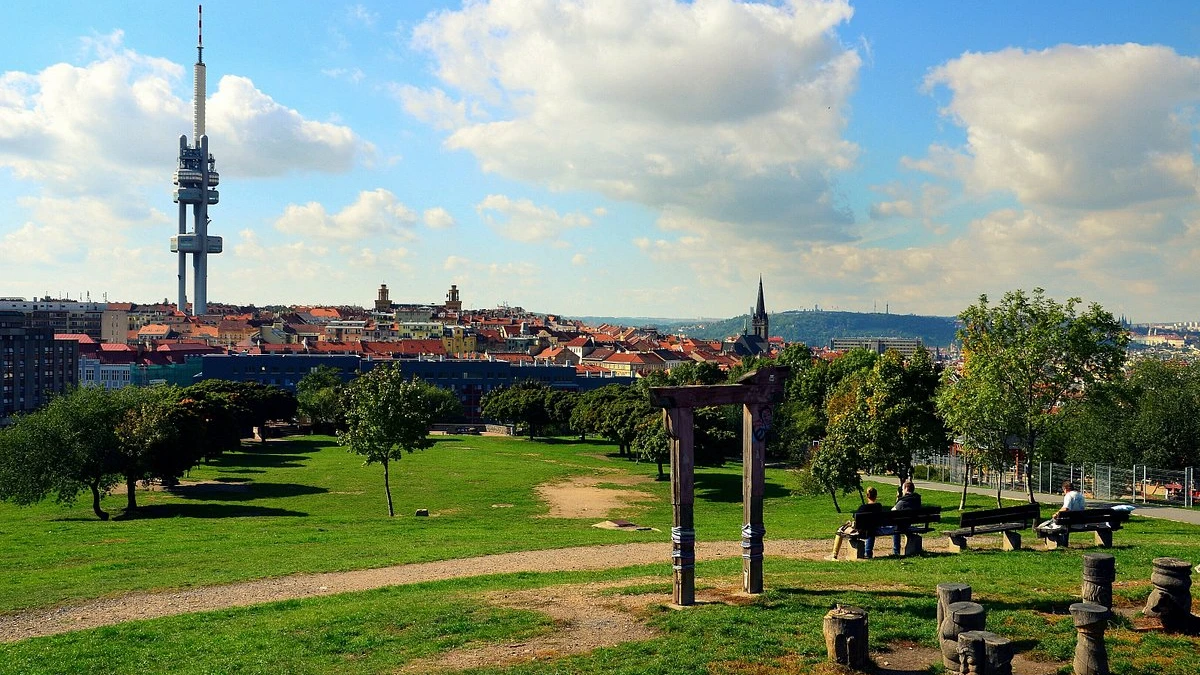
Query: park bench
(1006,521)
(1102,521)
(911,523)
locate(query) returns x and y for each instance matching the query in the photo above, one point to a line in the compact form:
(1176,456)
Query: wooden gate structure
(756,391)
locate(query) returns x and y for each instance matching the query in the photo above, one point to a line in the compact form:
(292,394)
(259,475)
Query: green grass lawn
(310,506)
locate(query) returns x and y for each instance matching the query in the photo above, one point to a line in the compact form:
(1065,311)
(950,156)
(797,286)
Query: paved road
(1191,516)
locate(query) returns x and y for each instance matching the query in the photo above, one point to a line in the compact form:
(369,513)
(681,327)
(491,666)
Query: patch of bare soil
(907,657)
(582,496)
(584,620)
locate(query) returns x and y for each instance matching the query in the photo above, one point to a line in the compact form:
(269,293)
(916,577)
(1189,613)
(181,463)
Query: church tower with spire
(760,321)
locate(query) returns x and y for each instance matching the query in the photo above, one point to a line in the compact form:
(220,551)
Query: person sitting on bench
(1072,498)
(872,505)
(908,500)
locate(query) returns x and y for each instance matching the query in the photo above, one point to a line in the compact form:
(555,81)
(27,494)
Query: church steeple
(760,321)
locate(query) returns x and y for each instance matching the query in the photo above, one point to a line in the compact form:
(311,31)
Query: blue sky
(624,157)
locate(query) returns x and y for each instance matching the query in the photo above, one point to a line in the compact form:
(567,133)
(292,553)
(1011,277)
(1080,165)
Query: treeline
(91,439)
(1040,380)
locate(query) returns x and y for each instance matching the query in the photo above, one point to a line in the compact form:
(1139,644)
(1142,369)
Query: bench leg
(1011,541)
(1055,541)
(860,548)
(958,544)
(1104,538)
(913,545)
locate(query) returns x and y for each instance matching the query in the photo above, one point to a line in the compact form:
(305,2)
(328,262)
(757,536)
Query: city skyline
(636,158)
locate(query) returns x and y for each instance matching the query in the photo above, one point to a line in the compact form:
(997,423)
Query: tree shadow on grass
(725,487)
(154,511)
(244,491)
(241,460)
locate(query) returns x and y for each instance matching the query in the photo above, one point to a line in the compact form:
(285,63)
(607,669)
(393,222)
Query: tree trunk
(1028,468)
(387,488)
(833,493)
(962,499)
(999,488)
(95,485)
(660,471)
(131,494)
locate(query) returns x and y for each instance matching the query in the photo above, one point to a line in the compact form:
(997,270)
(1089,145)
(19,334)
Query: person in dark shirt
(872,505)
(909,499)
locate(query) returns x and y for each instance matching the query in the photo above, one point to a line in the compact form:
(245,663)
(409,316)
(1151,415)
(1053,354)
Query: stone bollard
(846,637)
(1171,599)
(1091,656)
(1099,573)
(982,652)
(959,618)
(947,594)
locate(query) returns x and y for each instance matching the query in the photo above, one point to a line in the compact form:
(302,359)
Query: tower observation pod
(195,180)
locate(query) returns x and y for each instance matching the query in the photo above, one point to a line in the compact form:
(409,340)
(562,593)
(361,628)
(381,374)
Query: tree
(386,416)
(319,397)
(444,405)
(835,464)
(651,443)
(527,403)
(1039,354)
(154,437)
(982,419)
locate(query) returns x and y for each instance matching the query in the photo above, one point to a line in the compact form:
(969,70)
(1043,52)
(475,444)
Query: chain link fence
(1139,484)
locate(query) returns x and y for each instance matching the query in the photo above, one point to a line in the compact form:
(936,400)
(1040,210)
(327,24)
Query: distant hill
(815,328)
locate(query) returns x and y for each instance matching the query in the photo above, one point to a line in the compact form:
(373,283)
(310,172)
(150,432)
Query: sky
(612,157)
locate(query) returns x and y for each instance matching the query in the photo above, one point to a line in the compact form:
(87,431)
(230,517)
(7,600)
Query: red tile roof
(81,338)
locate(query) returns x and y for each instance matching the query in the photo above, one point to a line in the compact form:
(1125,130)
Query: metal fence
(1138,484)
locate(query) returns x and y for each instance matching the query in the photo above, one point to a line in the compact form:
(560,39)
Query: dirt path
(136,606)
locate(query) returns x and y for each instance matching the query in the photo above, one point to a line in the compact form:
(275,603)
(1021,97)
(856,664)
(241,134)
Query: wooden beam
(678,422)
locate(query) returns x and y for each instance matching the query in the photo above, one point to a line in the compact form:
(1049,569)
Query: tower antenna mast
(195,179)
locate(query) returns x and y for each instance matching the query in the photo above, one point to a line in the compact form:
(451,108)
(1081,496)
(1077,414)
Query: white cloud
(106,126)
(252,135)
(1073,126)
(438,218)
(522,220)
(431,106)
(351,75)
(736,124)
(376,213)
(579,259)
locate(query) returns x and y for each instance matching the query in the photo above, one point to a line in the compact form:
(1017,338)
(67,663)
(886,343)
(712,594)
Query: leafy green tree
(651,443)
(982,419)
(152,438)
(444,404)
(836,462)
(319,397)
(386,416)
(1040,354)
(527,404)
(893,414)
(250,404)
(614,411)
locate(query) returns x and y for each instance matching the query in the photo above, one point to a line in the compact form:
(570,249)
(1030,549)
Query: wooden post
(982,652)
(1171,599)
(947,594)
(678,422)
(1091,656)
(756,422)
(846,637)
(959,617)
(1099,573)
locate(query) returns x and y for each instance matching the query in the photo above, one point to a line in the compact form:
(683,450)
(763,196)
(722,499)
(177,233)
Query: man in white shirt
(1072,498)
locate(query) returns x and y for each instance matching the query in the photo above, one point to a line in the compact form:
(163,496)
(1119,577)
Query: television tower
(194,182)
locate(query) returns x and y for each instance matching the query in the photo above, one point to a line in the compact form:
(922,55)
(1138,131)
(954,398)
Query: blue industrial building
(469,379)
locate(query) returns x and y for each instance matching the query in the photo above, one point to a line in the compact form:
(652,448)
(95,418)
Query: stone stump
(982,652)
(846,637)
(1091,656)
(959,618)
(1099,573)
(1171,599)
